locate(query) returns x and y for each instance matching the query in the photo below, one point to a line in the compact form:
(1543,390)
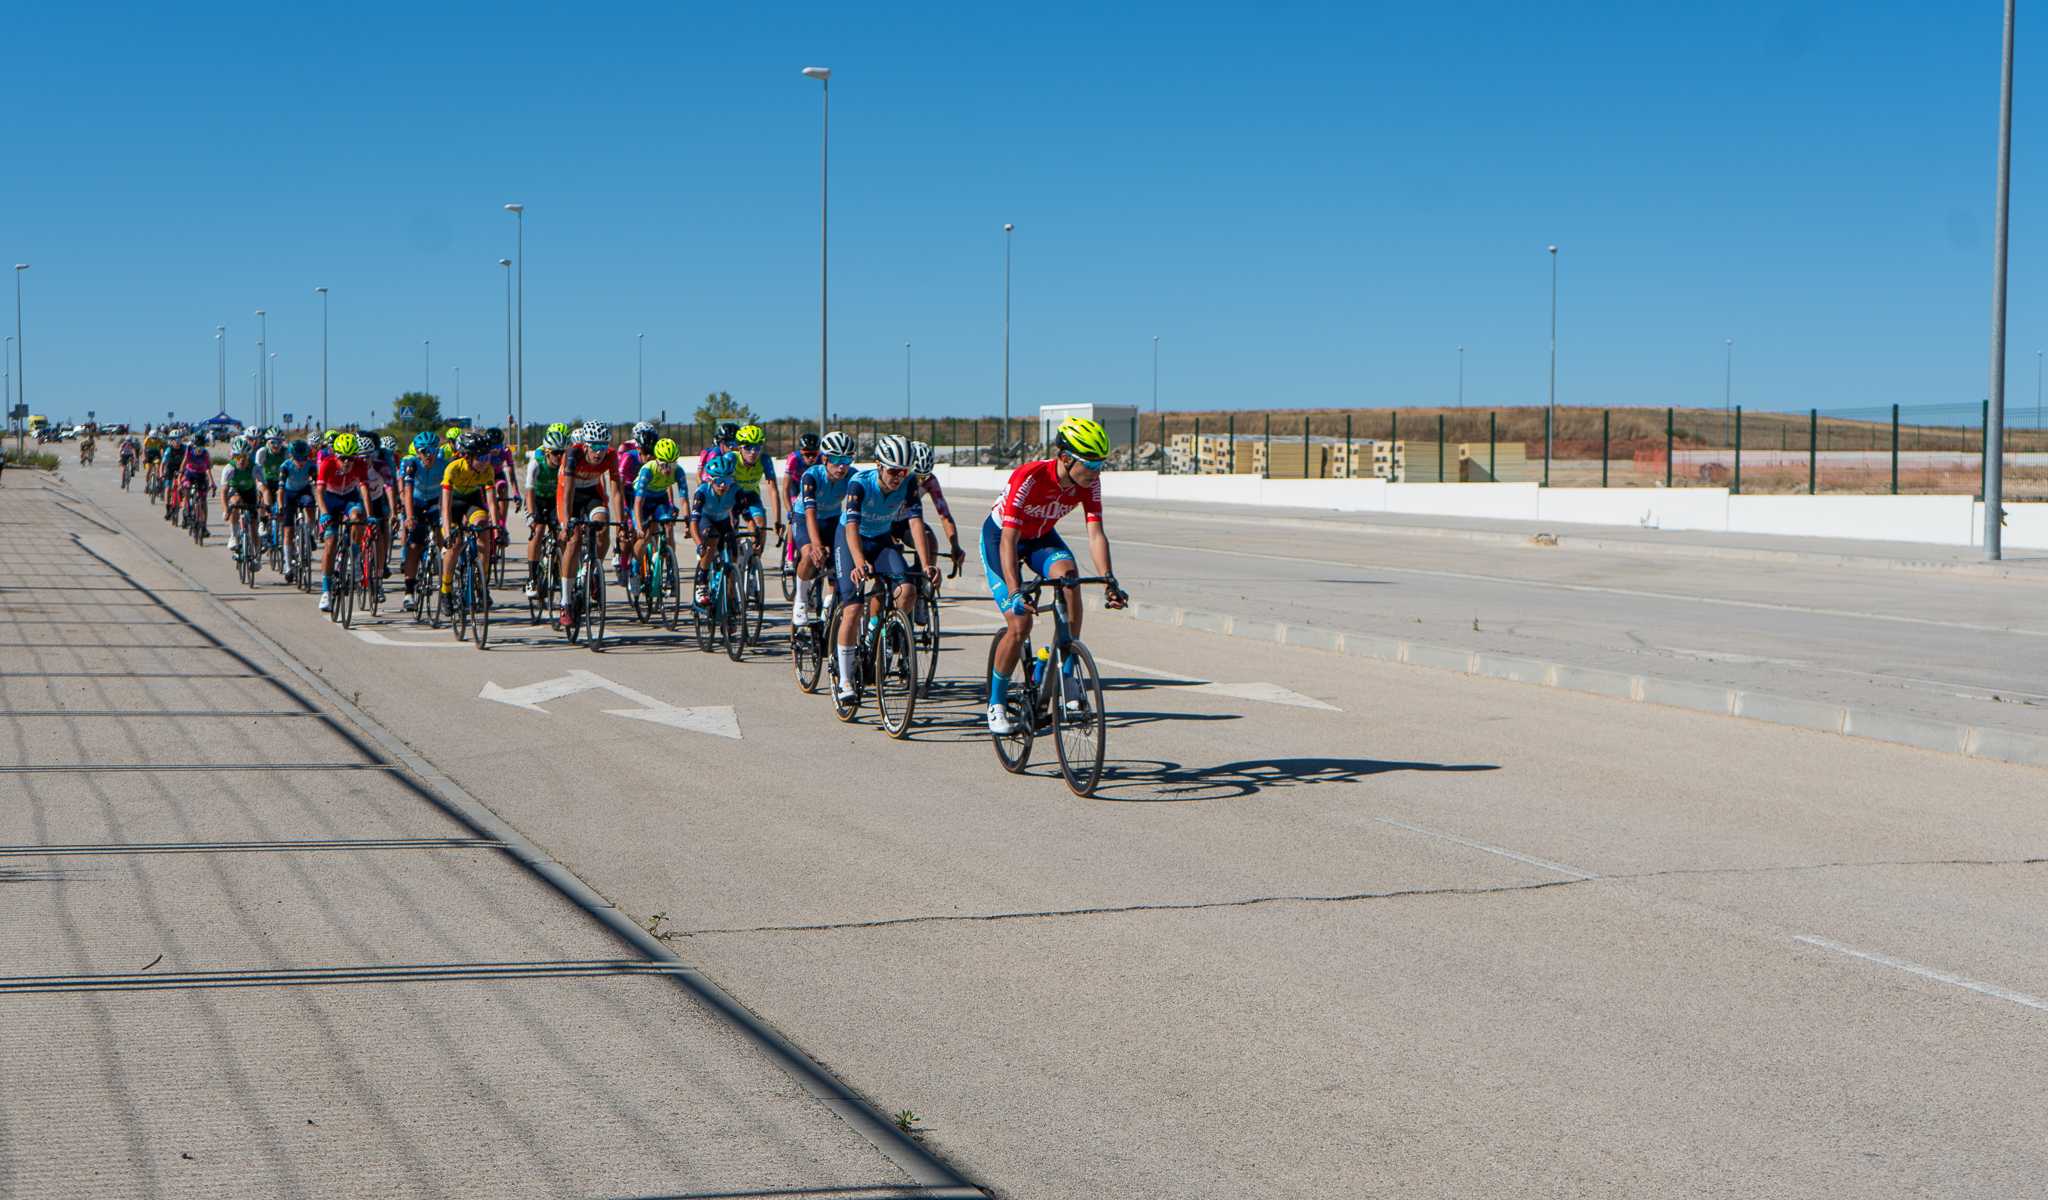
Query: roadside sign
(90,414)
(19,412)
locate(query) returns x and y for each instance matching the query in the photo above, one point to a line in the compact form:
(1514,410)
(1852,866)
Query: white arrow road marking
(717,720)
(1270,693)
(377,639)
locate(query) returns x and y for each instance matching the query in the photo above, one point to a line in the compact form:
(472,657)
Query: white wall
(1941,520)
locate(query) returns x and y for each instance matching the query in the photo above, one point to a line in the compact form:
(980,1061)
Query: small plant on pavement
(906,1122)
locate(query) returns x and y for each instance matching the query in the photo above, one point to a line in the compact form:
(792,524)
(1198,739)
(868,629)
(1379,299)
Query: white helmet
(836,444)
(893,450)
(594,433)
(922,460)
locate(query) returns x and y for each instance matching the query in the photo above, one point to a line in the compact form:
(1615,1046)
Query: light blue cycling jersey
(710,506)
(422,472)
(874,511)
(297,474)
(819,488)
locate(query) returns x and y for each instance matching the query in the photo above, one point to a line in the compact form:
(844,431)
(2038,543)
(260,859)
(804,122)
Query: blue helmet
(424,443)
(719,469)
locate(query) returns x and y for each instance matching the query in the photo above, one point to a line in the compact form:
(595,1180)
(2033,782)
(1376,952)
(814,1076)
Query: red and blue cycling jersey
(1034,500)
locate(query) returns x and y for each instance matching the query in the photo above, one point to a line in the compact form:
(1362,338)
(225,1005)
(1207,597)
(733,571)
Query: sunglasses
(1093,464)
(895,472)
(840,460)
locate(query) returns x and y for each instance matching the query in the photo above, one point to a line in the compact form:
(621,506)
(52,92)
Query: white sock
(845,663)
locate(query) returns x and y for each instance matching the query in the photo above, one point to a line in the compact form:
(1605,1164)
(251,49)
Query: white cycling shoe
(846,693)
(326,602)
(999,722)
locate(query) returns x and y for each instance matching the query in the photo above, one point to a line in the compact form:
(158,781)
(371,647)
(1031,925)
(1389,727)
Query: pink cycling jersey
(629,464)
(1034,501)
(930,483)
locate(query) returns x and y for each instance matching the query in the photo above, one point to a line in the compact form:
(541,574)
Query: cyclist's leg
(1050,557)
(1016,625)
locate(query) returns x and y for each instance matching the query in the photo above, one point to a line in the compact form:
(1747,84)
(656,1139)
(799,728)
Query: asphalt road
(1332,926)
(1912,630)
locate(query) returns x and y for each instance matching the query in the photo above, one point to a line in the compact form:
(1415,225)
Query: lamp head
(1007,227)
(515,208)
(819,73)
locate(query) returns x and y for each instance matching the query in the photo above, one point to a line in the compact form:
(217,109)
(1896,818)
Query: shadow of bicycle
(1153,781)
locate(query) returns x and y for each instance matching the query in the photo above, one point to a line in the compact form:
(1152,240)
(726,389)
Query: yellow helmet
(667,451)
(751,435)
(1082,438)
(345,445)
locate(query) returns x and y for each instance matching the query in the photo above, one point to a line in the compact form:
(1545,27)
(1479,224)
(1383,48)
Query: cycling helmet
(199,439)
(473,442)
(389,444)
(345,445)
(276,440)
(728,430)
(808,443)
(423,443)
(751,435)
(837,444)
(922,460)
(594,433)
(893,450)
(300,450)
(454,431)
(496,437)
(666,451)
(719,469)
(559,427)
(556,438)
(1082,438)
(328,438)
(643,434)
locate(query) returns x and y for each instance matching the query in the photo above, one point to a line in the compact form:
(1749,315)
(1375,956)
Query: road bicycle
(652,581)
(428,605)
(586,589)
(192,516)
(152,483)
(809,643)
(543,578)
(753,594)
(469,591)
(924,618)
(272,538)
(719,621)
(1071,711)
(242,535)
(789,579)
(885,657)
(301,549)
(127,472)
(347,570)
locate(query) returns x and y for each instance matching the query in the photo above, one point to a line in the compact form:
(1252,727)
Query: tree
(720,406)
(415,411)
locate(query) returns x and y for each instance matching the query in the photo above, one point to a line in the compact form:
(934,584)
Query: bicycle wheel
(789,579)
(925,622)
(634,582)
(593,599)
(1013,749)
(731,616)
(344,583)
(754,602)
(806,654)
(704,617)
(670,583)
(845,710)
(1077,717)
(457,602)
(478,586)
(245,553)
(896,677)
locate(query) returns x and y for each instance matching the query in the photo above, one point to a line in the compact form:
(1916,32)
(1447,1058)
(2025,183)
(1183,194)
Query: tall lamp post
(262,349)
(7,384)
(323,355)
(1994,420)
(1550,413)
(518,212)
(506,263)
(1008,229)
(824,77)
(20,347)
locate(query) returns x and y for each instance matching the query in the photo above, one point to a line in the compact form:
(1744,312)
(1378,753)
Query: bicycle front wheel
(732,617)
(593,599)
(896,676)
(1013,749)
(478,585)
(1077,718)
(926,621)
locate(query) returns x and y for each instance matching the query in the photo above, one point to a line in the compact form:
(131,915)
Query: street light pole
(824,77)
(1008,229)
(507,264)
(262,348)
(1550,414)
(1994,419)
(20,347)
(323,356)
(518,211)
(7,385)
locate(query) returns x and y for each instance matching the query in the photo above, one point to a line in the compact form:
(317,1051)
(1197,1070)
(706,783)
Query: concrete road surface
(1331,926)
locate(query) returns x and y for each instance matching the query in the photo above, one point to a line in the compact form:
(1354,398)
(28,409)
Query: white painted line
(1270,693)
(1634,593)
(377,639)
(1886,960)
(1545,863)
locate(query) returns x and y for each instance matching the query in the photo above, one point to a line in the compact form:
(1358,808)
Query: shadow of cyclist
(1153,781)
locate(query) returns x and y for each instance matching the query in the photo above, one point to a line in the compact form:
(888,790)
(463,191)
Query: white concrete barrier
(1941,520)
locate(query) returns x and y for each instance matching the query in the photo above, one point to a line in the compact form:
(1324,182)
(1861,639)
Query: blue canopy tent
(220,423)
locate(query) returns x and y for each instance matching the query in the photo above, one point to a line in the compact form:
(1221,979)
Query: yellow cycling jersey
(748,475)
(465,480)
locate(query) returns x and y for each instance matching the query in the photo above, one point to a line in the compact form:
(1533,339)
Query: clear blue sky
(1308,204)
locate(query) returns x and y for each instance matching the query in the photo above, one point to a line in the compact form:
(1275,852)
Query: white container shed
(1120,420)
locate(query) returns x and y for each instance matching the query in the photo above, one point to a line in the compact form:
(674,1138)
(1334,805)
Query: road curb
(1947,737)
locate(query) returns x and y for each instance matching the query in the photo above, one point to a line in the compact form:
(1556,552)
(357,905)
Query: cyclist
(637,448)
(172,473)
(419,492)
(238,488)
(196,470)
(506,461)
(587,489)
(922,462)
(721,443)
(466,486)
(270,458)
(128,449)
(711,513)
(875,500)
(295,491)
(654,495)
(801,459)
(543,467)
(152,456)
(341,488)
(85,448)
(815,516)
(753,471)
(1019,530)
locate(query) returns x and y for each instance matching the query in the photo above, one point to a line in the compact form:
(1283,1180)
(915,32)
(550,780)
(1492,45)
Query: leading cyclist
(1019,530)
